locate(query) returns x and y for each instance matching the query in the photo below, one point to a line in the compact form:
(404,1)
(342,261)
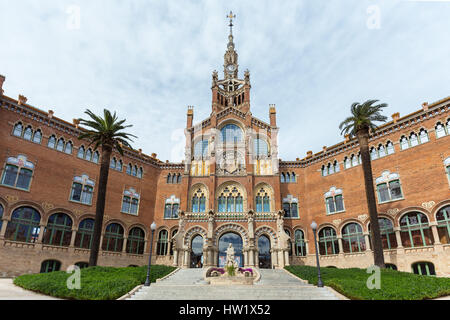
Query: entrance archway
(197,252)
(264,256)
(236,241)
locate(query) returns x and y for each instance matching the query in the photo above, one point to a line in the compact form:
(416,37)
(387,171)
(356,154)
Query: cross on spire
(231,16)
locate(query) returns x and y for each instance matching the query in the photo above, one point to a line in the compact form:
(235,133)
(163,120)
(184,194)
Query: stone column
(72,239)
(366,239)
(286,257)
(251,260)
(41,233)
(341,247)
(186,258)
(246,258)
(398,237)
(274,257)
(5,221)
(435,233)
(175,257)
(216,256)
(124,248)
(145,245)
(256,259)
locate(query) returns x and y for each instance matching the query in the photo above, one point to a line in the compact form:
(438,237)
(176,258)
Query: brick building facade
(231,187)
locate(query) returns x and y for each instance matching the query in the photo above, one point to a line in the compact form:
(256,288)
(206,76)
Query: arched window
(231,133)
(130,201)
(129,169)
(381,151)
(18,129)
(80,153)
(415,230)
(413,139)
(390,148)
(260,147)
(390,266)
(37,137)
(68,148)
(60,145)
(283,178)
(95,157)
(353,238)
(58,231)
(113,238)
(82,189)
(179,178)
(443,224)
(136,241)
(440,130)
(293,177)
(423,136)
(423,268)
(201,148)
(169,178)
(199,201)
(300,244)
(347,163)
(373,153)
(324,171)
(134,171)
(50,266)
(334,200)
(112,164)
(404,144)
(51,142)
(28,133)
(139,173)
(388,187)
(24,225)
(88,155)
(388,238)
(171,208)
(83,239)
(288,177)
(119,166)
(163,243)
(18,173)
(290,207)
(174,178)
(230,200)
(82,264)
(354,160)
(262,200)
(336,166)
(328,242)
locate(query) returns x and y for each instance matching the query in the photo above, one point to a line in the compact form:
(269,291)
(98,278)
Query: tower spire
(230,57)
(231,16)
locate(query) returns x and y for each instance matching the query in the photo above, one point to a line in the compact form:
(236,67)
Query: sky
(149,60)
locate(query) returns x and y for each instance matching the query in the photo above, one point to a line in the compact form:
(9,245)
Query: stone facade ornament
(428,205)
(393,211)
(47,206)
(363,217)
(337,222)
(11,198)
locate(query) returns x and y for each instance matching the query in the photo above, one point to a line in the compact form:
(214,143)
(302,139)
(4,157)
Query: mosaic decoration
(21,161)
(393,212)
(428,205)
(363,217)
(290,199)
(172,200)
(337,222)
(131,193)
(84,179)
(387,176)
(333,192)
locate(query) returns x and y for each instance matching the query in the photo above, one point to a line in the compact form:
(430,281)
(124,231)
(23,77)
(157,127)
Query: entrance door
(265,259)
(224,242)
(197,252)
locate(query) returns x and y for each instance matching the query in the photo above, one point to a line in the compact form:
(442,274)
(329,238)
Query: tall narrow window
(282,178)
(95,157)
(440,130)
(199,201)
(404,143)
(373,153)
(88,155)
(381,151)
(443,224)
(169,178)
(413,139)
(300,244)
(68,148)
(112,164)
(171,208)
(37,137)
(136,241)
(390,148)
(163,243)
(134,171)
(423,136)
(18,130)
(129,168)
(334,200)
(347,163)
(290,207)
(51,142)
(130,201)
(60,145)
(80,153)
(262,200)
(119,166)
(28,133)
(139,173)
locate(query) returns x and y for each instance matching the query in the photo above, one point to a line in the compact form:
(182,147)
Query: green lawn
(395,285)
(97,283)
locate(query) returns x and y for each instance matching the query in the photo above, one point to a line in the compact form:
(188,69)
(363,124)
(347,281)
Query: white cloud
(149,60)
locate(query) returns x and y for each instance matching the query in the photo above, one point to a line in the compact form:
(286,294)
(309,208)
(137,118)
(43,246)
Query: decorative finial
(231,16)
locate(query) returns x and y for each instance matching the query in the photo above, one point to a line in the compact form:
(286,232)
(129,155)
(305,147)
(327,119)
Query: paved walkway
(188,284)
(9,291)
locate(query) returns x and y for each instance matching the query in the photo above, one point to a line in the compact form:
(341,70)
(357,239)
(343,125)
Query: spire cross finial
(231,16)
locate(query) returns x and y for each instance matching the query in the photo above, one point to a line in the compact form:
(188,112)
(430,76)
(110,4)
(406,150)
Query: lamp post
(319,280)
(147,280)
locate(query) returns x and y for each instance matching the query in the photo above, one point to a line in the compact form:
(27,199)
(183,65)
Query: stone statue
(230,261)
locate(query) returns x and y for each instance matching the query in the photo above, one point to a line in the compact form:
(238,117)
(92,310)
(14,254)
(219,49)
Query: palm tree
(359,124)
(104,133)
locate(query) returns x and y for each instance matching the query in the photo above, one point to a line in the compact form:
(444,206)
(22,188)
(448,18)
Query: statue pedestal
(230,280)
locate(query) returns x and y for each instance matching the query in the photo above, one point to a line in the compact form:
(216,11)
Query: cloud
(149,60)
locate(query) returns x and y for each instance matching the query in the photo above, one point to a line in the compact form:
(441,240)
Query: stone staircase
(188,284)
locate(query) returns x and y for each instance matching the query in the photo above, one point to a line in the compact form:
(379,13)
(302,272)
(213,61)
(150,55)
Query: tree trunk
(363,139)
(100,205)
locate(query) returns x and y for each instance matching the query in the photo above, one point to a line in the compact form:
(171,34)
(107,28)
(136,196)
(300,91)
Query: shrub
(395,285)
(97,283)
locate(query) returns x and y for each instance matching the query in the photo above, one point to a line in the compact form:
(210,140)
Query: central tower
(231,91)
